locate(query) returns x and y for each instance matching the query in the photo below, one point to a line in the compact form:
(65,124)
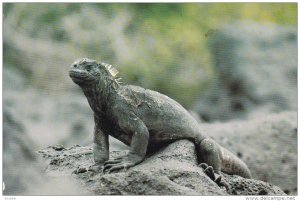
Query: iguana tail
(231,164)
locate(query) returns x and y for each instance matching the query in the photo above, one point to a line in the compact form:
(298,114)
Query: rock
(268,145)
(256,69)
(58,147)
(23,172)
(80,170)
(173,170)
(240,186)
(17,156)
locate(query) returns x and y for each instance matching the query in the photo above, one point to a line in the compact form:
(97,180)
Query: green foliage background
(164,47)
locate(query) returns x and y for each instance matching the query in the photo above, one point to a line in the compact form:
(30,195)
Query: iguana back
(165,118)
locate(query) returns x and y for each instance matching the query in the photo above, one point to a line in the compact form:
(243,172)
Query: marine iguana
(144,120)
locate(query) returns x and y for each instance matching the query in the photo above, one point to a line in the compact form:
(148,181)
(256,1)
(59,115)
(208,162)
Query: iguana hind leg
(209,154)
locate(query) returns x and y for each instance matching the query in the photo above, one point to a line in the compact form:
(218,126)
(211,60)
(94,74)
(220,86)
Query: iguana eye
(88,67)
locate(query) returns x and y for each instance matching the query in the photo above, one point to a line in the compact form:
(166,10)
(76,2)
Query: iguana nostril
(75,65)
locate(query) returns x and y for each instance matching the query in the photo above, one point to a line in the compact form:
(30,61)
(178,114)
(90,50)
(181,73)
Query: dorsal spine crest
(113,71)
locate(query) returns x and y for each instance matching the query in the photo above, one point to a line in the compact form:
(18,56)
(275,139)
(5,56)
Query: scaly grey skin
(145,120)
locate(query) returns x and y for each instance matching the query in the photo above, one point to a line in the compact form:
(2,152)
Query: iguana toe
(115,167)
(108,168)
(203,165)
(123,163)
(221,182)
(110,162)
(216,177)
(209,171)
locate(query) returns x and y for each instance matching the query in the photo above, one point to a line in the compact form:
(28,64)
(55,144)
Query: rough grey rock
(268,145)
(256,68)
(17,155)
(171,171)
(23,172)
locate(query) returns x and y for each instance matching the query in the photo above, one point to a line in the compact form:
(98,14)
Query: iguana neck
(101,95)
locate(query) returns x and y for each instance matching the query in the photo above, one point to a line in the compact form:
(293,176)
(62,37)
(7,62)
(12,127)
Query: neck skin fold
(101,94)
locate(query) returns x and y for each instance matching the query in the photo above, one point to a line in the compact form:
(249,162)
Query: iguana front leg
(100,148)
(134,126)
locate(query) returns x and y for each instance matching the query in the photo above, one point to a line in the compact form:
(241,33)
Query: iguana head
(84,71)
(87,72)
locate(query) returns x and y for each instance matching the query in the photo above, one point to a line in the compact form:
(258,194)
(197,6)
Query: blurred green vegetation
(164,47)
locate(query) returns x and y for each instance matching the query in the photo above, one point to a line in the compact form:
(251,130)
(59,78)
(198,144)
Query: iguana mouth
(79,75)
